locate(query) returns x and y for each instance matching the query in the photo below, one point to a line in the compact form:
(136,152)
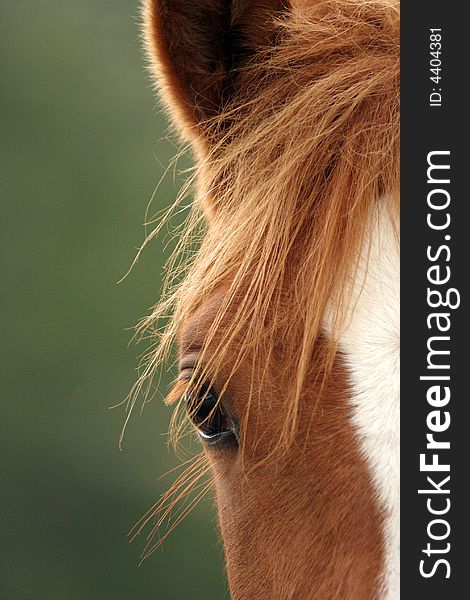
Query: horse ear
(196,47)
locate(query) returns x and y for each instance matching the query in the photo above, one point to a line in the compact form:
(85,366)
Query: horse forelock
(288,184)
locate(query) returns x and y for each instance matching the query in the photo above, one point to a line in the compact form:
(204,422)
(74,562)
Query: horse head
(287,319)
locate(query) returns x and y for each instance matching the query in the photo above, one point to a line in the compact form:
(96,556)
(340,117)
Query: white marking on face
(371,344)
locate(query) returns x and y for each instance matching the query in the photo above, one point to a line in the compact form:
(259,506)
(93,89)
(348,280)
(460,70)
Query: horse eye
(208,416)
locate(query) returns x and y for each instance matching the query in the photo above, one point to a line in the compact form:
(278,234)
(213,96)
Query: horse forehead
(196,325)
(371,347)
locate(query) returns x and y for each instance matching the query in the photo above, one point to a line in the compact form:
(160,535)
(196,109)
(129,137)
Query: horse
(286,316)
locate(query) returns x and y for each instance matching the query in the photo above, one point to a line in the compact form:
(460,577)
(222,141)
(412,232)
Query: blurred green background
(82,149)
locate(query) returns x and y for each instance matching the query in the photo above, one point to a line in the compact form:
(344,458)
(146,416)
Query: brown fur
(294,117)
(301,523)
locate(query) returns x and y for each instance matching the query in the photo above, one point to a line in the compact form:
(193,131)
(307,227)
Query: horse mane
(287,181)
